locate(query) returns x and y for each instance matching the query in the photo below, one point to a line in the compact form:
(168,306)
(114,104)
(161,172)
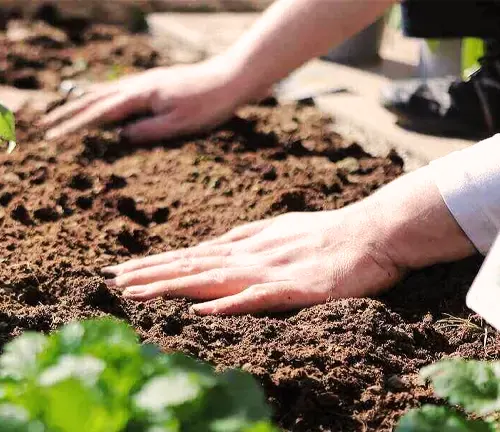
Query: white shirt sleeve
(469,182)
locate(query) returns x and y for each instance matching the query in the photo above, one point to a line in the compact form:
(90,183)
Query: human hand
(301,259)
(181,99)
(290,261)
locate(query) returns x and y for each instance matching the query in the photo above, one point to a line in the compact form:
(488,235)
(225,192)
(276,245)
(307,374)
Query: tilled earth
(70,206)
(36,55)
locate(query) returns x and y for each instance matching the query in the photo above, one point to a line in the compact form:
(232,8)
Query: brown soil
(35,55)
(71,206)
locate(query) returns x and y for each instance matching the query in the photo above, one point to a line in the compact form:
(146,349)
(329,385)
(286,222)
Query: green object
(115,72)
(472,51)
(431,418)
(7,125)
(433,44)
(474,386)
(95,376)
(394,17)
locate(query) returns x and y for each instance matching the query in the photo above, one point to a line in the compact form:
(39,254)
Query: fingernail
(110,283)
(109,270)
(134,292)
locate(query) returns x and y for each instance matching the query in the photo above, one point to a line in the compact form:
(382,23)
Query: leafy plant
(115,72)
(94,376)
(7,129)
(474,386)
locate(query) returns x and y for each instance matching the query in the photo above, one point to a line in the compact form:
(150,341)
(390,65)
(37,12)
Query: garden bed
(70,206)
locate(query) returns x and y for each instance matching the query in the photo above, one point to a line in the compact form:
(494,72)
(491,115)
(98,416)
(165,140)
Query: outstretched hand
(301,259)
(290,261)
(181,100)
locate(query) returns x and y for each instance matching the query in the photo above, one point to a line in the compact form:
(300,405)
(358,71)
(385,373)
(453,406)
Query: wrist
(241,79)
(415,225)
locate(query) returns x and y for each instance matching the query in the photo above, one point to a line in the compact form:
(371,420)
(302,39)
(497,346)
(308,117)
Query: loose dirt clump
(70,206)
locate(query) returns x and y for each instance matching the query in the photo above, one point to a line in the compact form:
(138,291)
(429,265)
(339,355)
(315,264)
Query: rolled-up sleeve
(469,182)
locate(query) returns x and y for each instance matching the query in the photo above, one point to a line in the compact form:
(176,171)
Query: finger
(177,269)
(167,257)
(240,233)
(153,129)
(207,285)
(101,87)
(273,296)
(111,109)
(73,107)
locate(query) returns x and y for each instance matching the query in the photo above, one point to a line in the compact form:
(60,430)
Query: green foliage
(431,418)
(7,128)
(95,376)
(474,386)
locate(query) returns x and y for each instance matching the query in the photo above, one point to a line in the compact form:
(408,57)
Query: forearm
(293,31)
(446,211)
(412,217)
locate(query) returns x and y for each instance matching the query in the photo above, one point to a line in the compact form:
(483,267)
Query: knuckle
(186,265)
(260,291)
(230,251)
(278,260)
(216,277)
(225,262)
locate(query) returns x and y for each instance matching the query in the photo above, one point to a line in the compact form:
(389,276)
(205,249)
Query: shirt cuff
(469,182)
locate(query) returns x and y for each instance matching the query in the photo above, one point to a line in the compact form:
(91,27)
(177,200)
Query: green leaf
(150,351)
(19,360)
(263,426)
(106,339)
(474,385)
(234,405)
(169,391)
(7,125)
(72,406)
(86,369)
(16,419)
(95,376)
(174,427)
(246,395)
(431,418)
(179,363)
